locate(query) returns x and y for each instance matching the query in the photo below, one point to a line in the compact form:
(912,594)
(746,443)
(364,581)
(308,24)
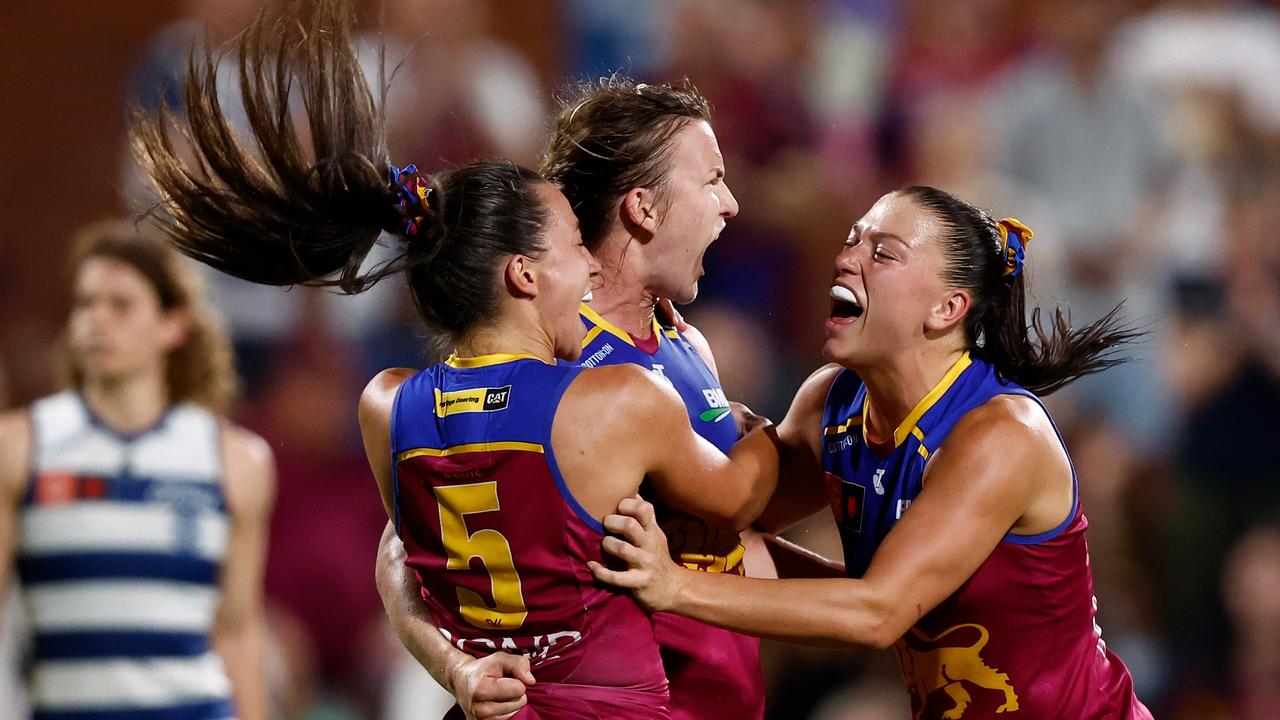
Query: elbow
(876,624)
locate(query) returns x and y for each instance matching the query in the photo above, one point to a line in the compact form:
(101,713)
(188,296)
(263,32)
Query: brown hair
(201,370)
(613,135)
(1040,359)
(271,212)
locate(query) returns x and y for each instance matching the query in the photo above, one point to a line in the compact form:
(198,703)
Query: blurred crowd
(1139,139)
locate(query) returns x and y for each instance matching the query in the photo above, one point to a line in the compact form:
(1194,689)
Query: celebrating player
(957,504)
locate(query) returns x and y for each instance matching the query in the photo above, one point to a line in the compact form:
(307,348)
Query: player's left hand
(746,419)
(651,576)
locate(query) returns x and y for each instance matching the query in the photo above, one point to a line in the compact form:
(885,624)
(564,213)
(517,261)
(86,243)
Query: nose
(593,265)
(849,259)
(728,203)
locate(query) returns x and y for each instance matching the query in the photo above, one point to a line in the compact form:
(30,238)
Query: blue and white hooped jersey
(868,492)
(121,543)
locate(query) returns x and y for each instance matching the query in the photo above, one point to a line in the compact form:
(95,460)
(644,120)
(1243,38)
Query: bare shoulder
(380,393)
(1007,439)
(1006,418)
(249,470)
(818,384)
(15,450)
(628,383)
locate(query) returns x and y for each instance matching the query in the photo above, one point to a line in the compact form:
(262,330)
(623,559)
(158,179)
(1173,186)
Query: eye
(881,256)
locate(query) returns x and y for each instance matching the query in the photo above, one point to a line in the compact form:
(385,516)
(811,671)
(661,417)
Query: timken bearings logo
(474,400)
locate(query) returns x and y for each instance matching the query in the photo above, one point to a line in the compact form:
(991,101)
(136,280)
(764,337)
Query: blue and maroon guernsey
(713,673)
(501,546)
(1018,638)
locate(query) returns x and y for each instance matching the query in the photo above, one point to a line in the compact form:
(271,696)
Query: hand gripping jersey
(121,539)
(713,673)
(501,546)
(1019,638)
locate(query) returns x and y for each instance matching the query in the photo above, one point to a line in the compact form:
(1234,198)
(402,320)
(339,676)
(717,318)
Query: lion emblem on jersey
(950,669)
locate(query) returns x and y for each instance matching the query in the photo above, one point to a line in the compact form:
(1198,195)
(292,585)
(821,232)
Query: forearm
(241,649)
(409,616)
(754,470)
(826,612)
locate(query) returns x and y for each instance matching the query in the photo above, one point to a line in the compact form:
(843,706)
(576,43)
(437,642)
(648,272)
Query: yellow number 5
(456,502)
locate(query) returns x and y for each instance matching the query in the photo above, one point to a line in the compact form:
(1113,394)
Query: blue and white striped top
(121,542)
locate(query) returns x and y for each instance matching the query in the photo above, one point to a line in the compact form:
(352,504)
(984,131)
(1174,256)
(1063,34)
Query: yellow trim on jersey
(669,332)
(929,400)
(924,451)
(599,321)
(591,335)
(705,562)
(604,325)
(487,360)
(469,448)
(853,421)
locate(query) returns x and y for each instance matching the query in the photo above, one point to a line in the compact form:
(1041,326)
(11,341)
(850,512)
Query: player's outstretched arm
(981,483)
(490,688)
(618,424)
(800,491)
(15,449)
(239,628)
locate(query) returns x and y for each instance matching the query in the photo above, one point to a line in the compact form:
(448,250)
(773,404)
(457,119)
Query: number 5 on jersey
(456,502)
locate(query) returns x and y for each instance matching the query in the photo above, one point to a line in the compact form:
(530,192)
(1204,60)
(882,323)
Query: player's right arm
(15,450)
(619,424)
(800,491)
(490,688)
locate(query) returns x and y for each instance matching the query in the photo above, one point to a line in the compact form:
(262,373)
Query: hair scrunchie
(1014,237)
(415,198)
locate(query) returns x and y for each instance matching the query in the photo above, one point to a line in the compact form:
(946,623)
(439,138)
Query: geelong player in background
(137,515)
(641,167)
(958,506)
(497,454)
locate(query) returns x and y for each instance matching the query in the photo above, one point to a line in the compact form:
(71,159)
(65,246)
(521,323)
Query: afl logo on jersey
(474,400)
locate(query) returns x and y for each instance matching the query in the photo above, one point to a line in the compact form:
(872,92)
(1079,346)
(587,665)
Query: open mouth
(844,306)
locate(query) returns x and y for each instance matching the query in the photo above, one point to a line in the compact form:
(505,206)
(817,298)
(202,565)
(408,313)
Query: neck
(894,389)
(128,404)
(624,297)
(507,338)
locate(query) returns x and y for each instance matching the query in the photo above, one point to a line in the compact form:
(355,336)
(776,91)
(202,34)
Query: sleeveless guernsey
(714,673)
(501,546)
(1019,638)
(121,538)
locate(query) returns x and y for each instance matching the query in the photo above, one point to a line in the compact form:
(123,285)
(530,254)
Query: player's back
(501,545)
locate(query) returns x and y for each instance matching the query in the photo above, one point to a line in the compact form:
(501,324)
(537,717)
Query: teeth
(844,294)
(587,297)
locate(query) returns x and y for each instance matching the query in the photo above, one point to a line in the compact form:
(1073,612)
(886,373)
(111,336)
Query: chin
(840,353)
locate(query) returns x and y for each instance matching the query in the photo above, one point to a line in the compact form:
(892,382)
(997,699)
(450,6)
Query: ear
(950,311)
(521,275)
(177,326)
(639,209)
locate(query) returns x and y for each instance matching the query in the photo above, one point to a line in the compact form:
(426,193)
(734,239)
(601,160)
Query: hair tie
(1014,237)
(415,198)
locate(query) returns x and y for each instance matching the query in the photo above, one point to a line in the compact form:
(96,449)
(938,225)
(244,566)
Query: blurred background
(1140,139)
